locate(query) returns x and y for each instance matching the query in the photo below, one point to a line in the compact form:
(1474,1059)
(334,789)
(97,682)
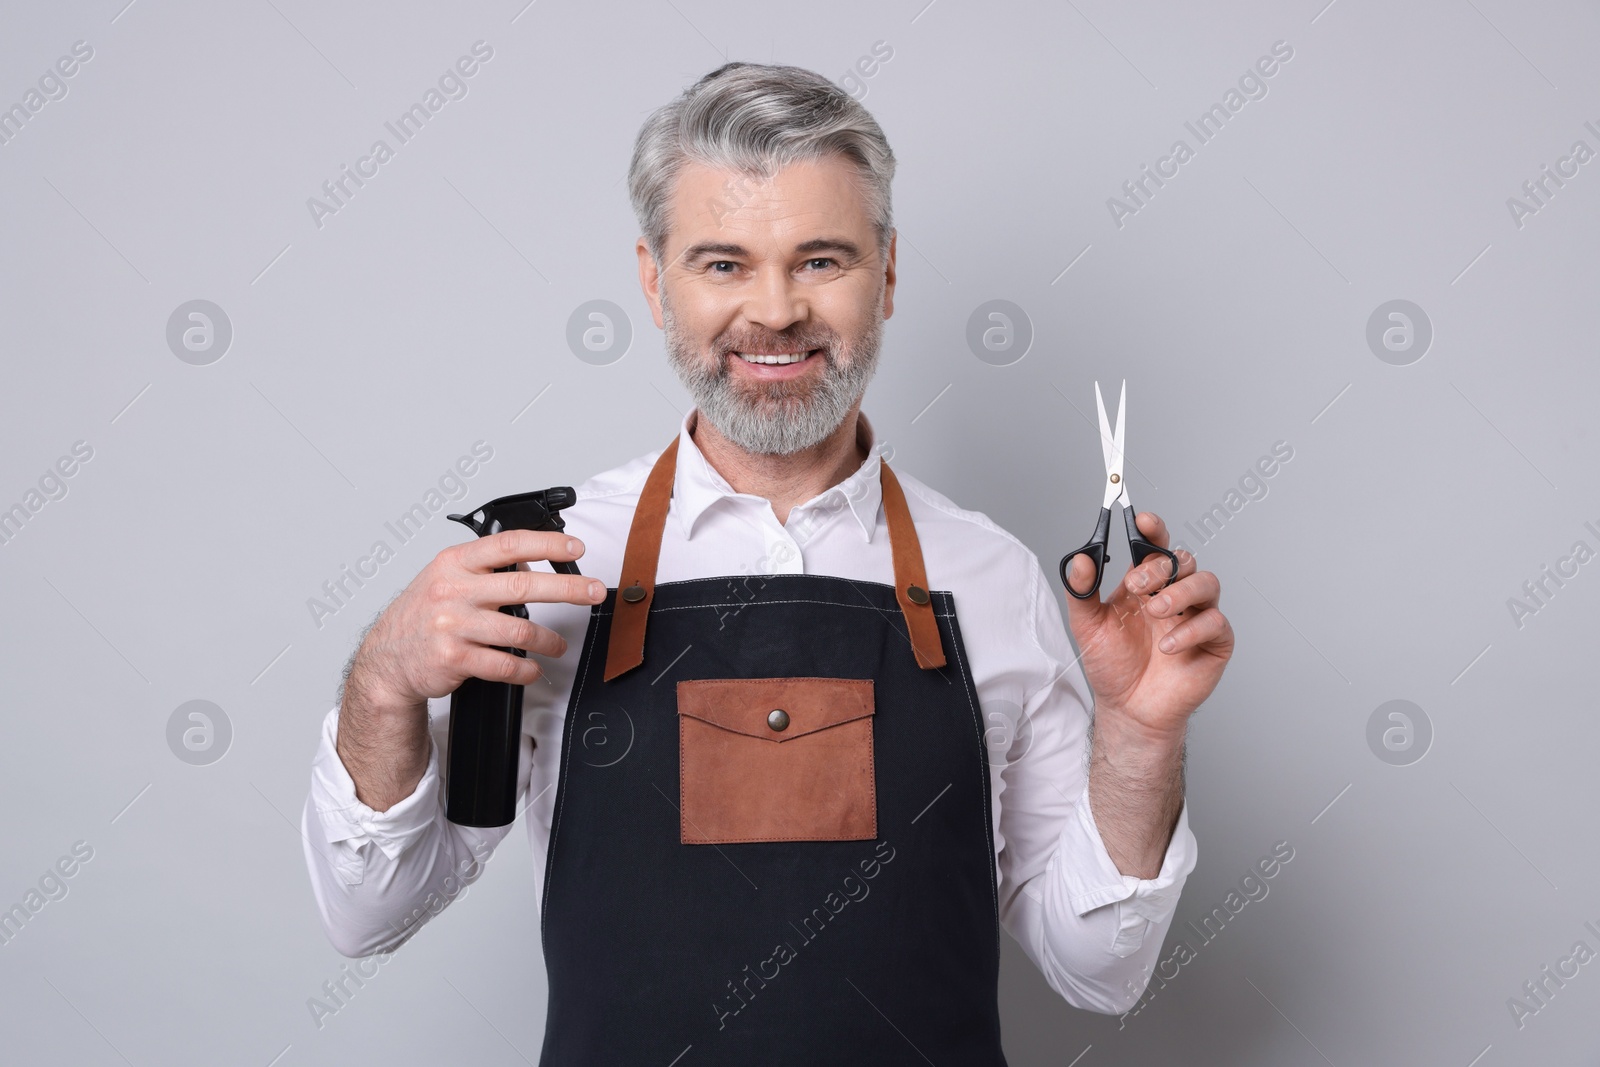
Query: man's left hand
(1152,659)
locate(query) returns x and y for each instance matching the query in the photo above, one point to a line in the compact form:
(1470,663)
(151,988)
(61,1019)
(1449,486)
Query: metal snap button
(778,719)
(916,594)
(633,594)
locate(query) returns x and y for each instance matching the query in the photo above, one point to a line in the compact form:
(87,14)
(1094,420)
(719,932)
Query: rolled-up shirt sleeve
(378,876)
(1093,932)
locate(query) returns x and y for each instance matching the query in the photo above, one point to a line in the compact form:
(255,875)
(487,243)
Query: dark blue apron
(772,837)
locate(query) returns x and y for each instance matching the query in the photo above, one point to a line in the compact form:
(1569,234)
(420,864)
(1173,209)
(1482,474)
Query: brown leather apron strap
(910,580)
(636,587)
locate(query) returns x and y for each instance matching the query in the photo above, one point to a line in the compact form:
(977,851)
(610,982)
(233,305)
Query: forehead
(799,202)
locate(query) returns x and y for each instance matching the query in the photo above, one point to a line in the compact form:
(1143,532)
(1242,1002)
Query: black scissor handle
(1095,549)
(1142,548)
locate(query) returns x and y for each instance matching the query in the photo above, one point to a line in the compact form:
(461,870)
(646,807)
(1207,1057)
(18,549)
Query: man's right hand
(447,626)
(442,629)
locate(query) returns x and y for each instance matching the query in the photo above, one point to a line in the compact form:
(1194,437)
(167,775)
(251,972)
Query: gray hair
(756,118)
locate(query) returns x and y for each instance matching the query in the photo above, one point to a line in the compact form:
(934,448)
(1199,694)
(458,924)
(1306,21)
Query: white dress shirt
(1092,931)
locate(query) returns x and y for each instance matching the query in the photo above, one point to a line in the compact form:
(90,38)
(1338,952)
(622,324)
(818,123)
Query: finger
(1152,527)
(1152,574)
(530,587)
(460,622)
(1200,590)
(1209,629)
(492,665)
(1080,572)
(496,628)
(516,546)
(1080,576)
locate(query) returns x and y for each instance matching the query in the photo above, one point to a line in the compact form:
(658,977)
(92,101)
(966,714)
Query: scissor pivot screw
(1115,478)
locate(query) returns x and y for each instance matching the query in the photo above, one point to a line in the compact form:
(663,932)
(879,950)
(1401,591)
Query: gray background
(370,353)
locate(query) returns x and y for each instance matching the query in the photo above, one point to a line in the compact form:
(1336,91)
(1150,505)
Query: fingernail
(597,590)
(1168,643)
(572,546)
(1161,603)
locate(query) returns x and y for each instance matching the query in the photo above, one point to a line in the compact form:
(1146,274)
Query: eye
(823,260)
(730,264)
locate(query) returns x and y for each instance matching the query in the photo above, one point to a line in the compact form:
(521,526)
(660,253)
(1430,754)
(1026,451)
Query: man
(781,791)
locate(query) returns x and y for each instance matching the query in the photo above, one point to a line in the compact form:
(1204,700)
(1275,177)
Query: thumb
(1087,612)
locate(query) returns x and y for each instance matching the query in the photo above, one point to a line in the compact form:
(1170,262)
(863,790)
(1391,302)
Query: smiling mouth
(778,359)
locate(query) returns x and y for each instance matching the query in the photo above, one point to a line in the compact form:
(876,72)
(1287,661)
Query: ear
(650,280)
(888,276)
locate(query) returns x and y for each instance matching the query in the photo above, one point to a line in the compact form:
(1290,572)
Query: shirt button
(783,557)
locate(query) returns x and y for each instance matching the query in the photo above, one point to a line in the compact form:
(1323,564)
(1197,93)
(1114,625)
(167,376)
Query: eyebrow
(830,244)
(846,248)
(708,248)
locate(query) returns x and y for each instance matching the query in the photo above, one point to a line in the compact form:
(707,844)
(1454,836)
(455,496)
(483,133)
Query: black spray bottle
(486,717)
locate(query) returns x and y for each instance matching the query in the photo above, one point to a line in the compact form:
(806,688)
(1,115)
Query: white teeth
(791,357)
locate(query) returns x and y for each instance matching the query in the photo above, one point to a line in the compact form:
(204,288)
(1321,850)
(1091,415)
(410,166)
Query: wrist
(367,694)
(1116,728)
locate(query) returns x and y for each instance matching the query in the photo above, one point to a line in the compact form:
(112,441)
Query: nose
(775,301)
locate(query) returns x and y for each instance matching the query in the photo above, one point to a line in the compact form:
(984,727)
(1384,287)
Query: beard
(776,417)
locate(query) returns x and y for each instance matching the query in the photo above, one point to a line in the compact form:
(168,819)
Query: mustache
(827,341)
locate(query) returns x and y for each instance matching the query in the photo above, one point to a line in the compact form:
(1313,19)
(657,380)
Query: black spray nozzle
(539,510)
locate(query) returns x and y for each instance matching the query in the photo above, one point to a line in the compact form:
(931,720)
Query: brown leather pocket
(742,778)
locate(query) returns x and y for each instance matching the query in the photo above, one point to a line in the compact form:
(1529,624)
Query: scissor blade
(1122,410)
(1111,446)
(1107,446)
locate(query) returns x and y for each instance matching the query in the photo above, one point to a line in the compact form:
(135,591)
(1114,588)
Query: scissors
(1111,445)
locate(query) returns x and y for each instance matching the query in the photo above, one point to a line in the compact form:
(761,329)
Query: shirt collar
(697,485)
